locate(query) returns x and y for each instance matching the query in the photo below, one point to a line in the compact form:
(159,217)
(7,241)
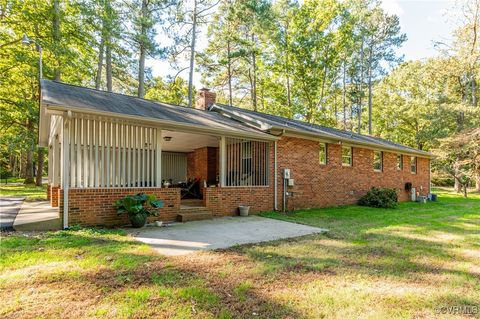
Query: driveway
(182,239)
(9,208)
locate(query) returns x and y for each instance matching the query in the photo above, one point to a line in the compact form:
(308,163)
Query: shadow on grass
(114,277)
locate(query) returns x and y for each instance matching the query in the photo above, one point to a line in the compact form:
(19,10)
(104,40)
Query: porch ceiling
(186,142)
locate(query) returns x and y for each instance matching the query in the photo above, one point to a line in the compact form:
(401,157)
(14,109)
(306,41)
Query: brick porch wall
(49,191)
(332,184)
(94,207)
(224,201)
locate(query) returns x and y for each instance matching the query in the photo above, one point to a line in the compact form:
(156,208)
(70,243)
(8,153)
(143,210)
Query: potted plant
(138,207)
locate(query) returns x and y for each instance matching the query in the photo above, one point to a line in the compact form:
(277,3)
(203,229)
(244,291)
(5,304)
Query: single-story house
(205,160)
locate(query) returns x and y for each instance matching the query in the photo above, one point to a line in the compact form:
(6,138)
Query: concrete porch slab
(182,239)
(9,208)
(38,215)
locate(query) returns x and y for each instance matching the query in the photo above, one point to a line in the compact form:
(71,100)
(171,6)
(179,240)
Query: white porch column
(56,162)
(65,168)
(158,158)
(223,161)
(51,161)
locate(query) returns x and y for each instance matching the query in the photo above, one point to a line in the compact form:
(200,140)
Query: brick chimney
(205,99)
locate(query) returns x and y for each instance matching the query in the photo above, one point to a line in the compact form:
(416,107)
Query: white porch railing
(105,154)
(246,162)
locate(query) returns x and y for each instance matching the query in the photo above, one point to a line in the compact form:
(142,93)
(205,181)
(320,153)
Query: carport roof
(81,99)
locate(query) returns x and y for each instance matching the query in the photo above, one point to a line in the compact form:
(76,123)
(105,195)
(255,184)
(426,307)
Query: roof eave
(334,138)
(165,124)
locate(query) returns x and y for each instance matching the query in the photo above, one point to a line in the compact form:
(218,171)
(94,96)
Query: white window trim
(381,162)
(351,157)
(325,147)
(399,168)
(416,164)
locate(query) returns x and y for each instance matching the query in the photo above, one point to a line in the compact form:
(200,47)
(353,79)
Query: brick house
(205,161)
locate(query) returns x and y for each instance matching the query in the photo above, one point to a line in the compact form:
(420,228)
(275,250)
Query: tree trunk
(254,67)
(287,70)
(98,77)
(344,96)
(230,97)
(370,92)
(56,38)
(457,186)
(360,91)
(141,72)
(29,168)
(142,53)
(192,54)
(474,92)
(108,66)
(477,182)
(40,161)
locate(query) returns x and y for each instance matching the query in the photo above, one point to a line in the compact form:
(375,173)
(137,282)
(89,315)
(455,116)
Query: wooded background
(330,62)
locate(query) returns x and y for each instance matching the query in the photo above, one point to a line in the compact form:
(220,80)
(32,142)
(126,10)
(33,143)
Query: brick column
(54,196)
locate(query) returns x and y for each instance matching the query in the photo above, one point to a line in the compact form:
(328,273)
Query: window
(399,162)
(346,156)
(322,154)
(377,161)
(413,164)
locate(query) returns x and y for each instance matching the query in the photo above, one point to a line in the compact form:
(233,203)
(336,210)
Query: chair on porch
(192,189)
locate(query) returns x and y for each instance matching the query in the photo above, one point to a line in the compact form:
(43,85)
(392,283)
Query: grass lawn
(12,180)
(374,263)
(30,192)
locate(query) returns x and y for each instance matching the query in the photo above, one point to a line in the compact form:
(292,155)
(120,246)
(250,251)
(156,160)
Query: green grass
(373,263)
(12,180)
(30,192)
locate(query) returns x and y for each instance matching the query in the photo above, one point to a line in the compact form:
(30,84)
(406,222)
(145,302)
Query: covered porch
(94,160)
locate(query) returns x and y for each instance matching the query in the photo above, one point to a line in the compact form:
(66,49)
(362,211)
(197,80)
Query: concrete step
(192,202)
(188,215)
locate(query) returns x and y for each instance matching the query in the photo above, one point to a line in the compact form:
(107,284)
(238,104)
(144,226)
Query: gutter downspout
(275,177)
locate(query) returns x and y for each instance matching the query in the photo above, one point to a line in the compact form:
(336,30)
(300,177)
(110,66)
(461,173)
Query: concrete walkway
(9,208)
(182,239)
(37,216)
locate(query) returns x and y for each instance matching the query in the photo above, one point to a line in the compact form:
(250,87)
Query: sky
(423,21)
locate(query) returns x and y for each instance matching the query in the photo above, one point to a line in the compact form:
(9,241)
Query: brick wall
(49,191)
(332,184)
(224,201)
(203,163)
(54,196)
(316,185)
(94,207)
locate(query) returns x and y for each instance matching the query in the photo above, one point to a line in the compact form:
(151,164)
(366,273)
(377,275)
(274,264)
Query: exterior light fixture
(167,138)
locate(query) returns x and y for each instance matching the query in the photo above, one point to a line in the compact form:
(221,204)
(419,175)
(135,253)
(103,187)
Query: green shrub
(379,197)
(140,204)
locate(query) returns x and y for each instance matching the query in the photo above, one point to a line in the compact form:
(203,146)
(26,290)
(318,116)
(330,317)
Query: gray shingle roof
(65,95)
(70,96)
(322,131)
